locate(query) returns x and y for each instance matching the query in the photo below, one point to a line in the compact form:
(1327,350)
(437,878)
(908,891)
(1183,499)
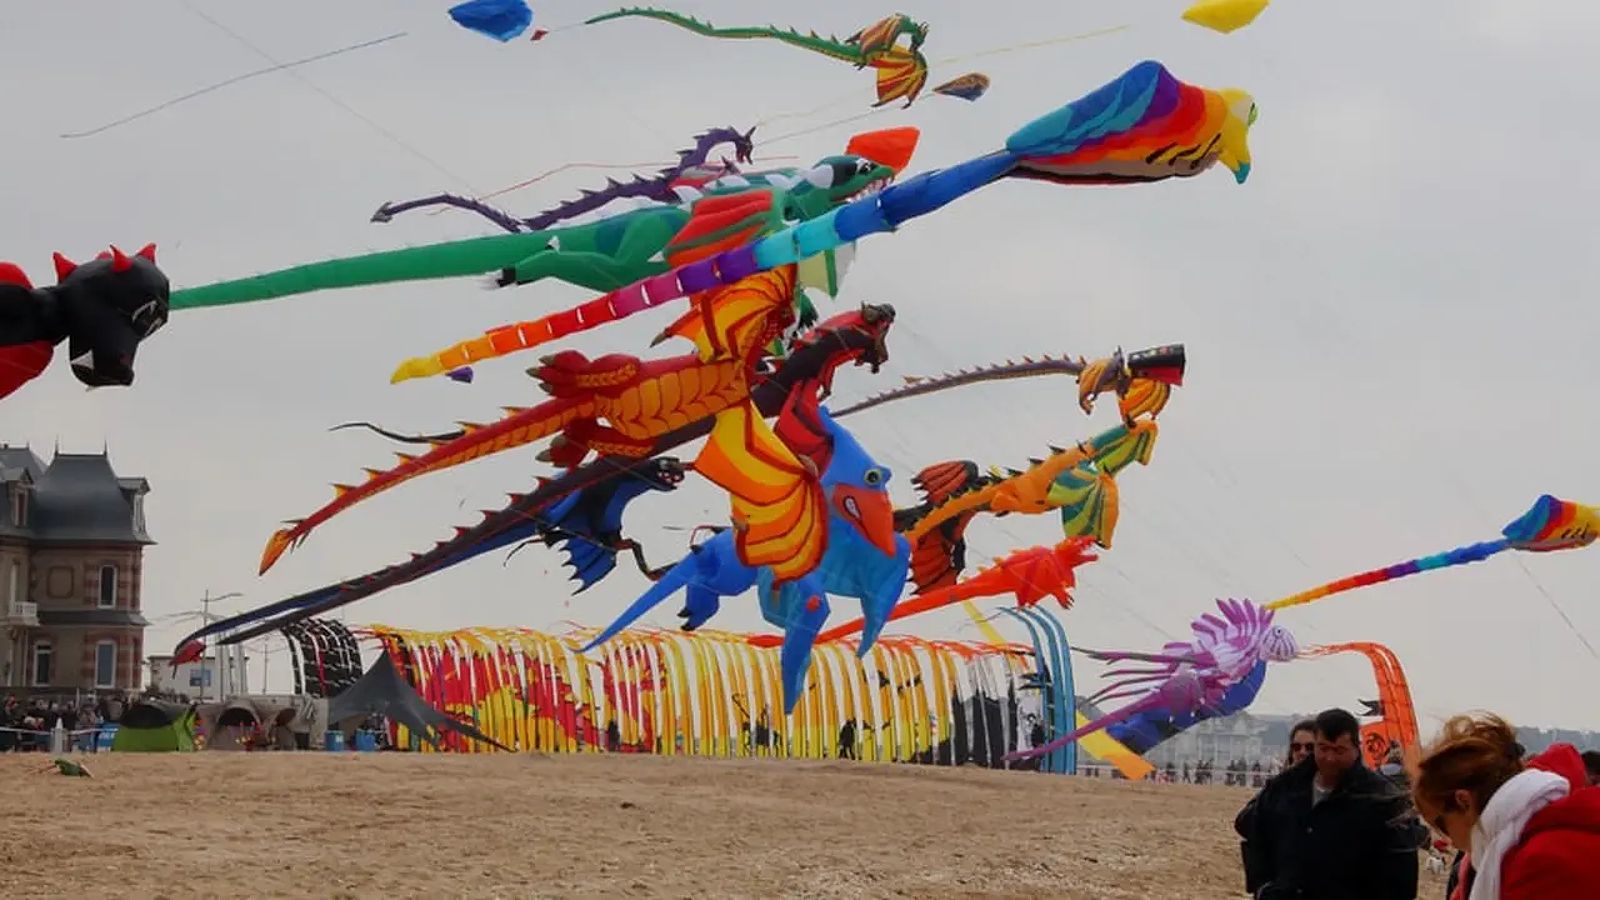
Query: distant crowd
(1513,826)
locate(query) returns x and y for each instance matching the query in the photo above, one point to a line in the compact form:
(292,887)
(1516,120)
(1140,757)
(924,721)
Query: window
(138,513)
(105,664)
(41,663)
(19,506)
(13,597)
(108,587)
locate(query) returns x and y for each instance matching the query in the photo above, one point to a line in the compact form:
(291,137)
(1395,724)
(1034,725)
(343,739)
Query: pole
(205,652)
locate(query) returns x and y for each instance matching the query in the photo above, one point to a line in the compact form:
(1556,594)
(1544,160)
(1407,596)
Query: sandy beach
(368,825)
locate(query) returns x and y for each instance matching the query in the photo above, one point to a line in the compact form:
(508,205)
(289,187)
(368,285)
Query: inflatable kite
(1145,126)
(1225,15)
(671,185)
(102,309)
(849,338)
(503,20)
(902,70)
(603,255)
(1397,715)
(1186,678)
(864,558)
(775,501)
(1551,525)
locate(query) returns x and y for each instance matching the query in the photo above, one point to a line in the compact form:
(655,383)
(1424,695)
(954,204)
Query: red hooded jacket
(1559,854)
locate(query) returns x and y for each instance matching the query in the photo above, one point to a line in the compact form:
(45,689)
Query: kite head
(1278,645)
(661,473)
(857,488)
(835,181)
(110,304)
(1239,115)
(744,146)
(1554,524)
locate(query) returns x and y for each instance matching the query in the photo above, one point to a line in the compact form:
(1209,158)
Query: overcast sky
(1390,328)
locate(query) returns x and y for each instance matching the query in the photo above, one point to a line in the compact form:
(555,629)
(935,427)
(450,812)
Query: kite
(503,20)
(1031,575)
(1397,725)
(1187,678)
(969,87)
(692,172)
(864,558)
(1550,525)
(603,255)
(1145,126)
(902,70)
(640,401)
(102,309)
(856,337)
(1225,15)
(1079,482)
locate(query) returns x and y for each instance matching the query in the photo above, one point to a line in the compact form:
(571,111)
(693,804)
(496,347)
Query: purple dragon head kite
(1187,677)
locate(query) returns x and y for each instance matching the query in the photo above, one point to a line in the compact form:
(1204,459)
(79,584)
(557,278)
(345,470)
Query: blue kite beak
(1241,173)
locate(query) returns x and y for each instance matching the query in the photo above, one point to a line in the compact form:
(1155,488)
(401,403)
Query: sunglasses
(1303,748)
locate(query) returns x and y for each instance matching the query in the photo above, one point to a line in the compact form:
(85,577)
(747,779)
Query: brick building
(72,539)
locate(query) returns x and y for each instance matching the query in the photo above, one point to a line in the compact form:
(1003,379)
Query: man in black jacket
(1329,828)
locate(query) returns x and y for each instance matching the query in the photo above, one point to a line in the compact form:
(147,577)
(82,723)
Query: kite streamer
(1551,524)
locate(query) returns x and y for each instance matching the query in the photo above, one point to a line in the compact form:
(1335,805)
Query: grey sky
(1389,333)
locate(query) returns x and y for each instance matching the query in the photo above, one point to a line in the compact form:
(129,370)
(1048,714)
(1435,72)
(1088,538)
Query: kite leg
(799,635)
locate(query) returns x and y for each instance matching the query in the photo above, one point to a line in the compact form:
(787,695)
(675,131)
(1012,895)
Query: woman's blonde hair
(1475,753)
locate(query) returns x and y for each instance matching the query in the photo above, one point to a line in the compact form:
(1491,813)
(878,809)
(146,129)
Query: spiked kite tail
(1027,368)
(828,46)
(638,188)
(388,211)
(457,259)
(520,427)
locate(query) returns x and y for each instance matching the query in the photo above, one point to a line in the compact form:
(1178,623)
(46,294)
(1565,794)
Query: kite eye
(873,477)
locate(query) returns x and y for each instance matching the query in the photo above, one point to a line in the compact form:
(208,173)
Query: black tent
(382,692)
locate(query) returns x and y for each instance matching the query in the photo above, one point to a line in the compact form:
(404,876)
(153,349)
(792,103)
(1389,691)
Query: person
(1302,741)
(1591,762)
(1330,828)
(1530,829)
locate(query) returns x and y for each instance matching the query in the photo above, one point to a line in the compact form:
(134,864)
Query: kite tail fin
(518,428)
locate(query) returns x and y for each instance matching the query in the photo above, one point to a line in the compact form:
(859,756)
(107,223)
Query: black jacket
(1360,843)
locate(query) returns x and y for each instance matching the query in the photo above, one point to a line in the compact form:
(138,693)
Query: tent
(383,692)
(228,724)
(153,726)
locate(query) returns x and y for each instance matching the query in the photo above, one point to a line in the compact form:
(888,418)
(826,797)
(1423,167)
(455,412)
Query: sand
(499,825)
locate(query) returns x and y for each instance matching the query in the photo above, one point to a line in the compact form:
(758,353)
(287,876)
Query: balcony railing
(21,612)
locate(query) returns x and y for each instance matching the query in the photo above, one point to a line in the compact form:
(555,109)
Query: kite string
(391,136)
(278,67)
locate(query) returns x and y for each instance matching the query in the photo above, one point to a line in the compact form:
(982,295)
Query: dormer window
(138,513)
(19,506)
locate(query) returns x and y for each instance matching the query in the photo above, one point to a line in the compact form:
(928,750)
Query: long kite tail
(456,259)
(518,428)
(828,46)
(638,189)
(1457,557)
(388,211)
(1027,368)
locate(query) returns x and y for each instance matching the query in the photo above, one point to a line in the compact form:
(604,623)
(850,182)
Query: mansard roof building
(72,539)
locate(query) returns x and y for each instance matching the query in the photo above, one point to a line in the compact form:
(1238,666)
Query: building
(200,679)
(72,539)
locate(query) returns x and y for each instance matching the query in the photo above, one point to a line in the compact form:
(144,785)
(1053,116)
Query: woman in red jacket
(1531,831)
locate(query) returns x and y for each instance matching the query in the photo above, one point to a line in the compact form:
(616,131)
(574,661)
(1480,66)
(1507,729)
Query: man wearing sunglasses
(1329,828)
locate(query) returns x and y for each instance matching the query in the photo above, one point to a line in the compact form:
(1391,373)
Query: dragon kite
(103,309)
